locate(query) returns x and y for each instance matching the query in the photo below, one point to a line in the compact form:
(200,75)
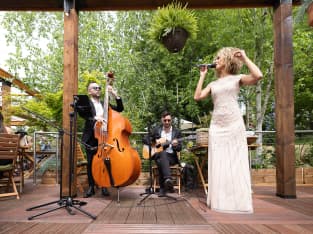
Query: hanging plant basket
(175,40)
(310,14)
(172,25)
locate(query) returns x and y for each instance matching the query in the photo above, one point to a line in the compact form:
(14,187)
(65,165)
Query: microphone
(209,65)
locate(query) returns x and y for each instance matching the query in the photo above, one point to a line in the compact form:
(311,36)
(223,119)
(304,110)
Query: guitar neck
(154,149)
(165,142)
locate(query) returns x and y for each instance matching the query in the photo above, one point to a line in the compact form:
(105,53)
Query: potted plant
(172,25)
(306,7)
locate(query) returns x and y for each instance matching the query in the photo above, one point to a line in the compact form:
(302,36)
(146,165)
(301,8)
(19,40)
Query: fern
(172,16)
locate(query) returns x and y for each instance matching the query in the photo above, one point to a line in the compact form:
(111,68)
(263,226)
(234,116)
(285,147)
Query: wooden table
(21,157)
(201,157)
(251,140)
(31,157)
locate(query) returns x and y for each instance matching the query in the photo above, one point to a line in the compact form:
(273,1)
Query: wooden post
(70,87)
(284,98)
(6,102)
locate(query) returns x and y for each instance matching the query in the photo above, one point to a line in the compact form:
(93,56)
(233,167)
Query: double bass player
(88,137)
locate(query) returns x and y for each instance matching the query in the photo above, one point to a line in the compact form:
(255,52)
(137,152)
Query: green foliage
(53,102)
(38,53)
(303,74)
(172,16)
(88,77)
(267,159)
(148,78)
(187,157)
(302,10)
(41,115)
(308,156)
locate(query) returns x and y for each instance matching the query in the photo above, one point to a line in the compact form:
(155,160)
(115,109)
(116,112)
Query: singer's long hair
(232,64)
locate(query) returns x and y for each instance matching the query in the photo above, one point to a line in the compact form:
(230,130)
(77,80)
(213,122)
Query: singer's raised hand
(203,70)
(240,54)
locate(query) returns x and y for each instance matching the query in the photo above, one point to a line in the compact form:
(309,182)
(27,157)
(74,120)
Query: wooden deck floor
(188,214)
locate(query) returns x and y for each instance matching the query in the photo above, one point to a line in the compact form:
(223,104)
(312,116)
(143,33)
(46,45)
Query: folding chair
(175,174)
(8,153)
(81,166)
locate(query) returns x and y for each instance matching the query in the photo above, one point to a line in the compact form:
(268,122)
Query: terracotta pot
(251,139)
(175,40)
(310,14)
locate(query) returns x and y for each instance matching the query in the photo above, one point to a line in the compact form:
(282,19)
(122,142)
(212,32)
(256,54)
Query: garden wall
(304,175)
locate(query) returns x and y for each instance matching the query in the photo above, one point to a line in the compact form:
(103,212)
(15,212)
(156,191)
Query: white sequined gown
(229,182)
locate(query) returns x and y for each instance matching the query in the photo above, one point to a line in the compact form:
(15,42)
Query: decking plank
(136,214)
(303,206)
(181,214)
(281,228)
(149,211)
(233,228)
(191,215)
(297,228)
(150,229)
(260,228)
(108,213)
(308,227)
(163,212)
(157,215)
(30,228)
(15,227)
(122,211)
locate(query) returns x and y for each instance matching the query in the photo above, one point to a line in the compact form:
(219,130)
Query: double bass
(116,163)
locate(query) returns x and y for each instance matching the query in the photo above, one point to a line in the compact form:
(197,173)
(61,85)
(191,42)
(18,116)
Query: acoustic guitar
(160,145)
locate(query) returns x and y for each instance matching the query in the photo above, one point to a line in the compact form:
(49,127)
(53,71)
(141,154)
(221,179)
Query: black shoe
(90,192)
(171,190)
(168,183)
(162,192)
(105,192)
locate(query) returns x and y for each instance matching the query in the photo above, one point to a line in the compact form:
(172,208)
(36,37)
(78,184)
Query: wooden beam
(70,88)
(284,98)
(7,76)
(24,87)
(114,5)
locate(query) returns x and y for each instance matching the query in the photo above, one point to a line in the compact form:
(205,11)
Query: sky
(4,49)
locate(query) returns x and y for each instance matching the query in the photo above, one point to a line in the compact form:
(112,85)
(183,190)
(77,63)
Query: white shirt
(98,108)
(168,137)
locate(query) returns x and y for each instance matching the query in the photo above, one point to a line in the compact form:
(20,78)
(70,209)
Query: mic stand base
(68,203)
(149,192)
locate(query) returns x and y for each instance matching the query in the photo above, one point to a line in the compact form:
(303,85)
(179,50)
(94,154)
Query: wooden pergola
(283,62)
(7,80)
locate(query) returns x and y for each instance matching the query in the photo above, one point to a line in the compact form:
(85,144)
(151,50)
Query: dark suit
(88,137)
(164,159)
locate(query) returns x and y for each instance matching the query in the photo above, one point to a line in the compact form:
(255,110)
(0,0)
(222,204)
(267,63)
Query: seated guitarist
(165,137)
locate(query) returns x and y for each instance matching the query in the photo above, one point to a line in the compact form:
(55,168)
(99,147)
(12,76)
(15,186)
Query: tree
(148,77)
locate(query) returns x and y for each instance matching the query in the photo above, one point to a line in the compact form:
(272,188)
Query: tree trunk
(310,14)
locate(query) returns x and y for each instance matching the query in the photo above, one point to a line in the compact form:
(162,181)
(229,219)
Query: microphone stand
(149,191)
(66,202)
(60,130)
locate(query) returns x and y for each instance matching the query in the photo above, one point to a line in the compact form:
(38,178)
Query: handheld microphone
(209,65)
